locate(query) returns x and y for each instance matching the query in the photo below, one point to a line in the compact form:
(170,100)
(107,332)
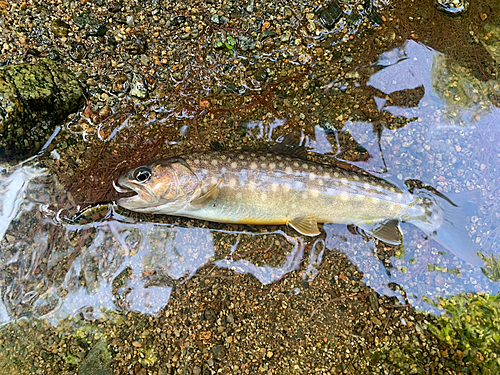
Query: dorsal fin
(290,146)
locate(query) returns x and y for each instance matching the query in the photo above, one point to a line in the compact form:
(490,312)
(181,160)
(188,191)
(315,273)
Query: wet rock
(330,15)
(261,74)
(77,51)
(452,7)
(59,28)
(245,43)
(97,361)
(215,18)
(267,34)
(218,351)
(34,99)
(250,6)
(138,88)
(136,45)
(93,27)
(178,20)
(114,7)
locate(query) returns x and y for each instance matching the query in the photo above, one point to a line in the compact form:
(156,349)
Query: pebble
(138,88)
(59,28)
(453,7)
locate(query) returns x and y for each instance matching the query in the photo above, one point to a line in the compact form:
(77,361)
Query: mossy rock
(34,99)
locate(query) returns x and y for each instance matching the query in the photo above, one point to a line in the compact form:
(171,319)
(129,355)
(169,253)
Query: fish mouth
(122,189)
(137,195)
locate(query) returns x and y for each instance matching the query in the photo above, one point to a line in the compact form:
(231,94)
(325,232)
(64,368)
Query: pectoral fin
(208,196)
(387,231)
(306,225)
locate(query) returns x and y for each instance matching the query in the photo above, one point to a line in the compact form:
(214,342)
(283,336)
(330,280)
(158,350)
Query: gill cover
(162,187)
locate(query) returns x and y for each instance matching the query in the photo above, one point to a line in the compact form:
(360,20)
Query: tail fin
(446,225)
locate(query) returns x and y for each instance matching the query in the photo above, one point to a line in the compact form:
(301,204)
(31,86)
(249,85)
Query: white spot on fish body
(356,177)
(253,155)
(263,165)
(204,171)
(234,165)
(305,166)
(272,165)
(313,167)
(223,170)
(253,166)
(214,162)
(312,176)
(223,157)
(327,175)
(241,157)
(288,170)
(281,165)
(366,186)
(196,161)
(295,164)
(232,182)
(262,157)
(344,181)
(278,157)
(344,196)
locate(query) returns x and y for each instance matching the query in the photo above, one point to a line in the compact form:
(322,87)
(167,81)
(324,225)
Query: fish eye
(142,174)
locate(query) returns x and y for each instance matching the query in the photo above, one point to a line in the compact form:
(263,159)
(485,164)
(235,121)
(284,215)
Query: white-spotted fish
(274,189)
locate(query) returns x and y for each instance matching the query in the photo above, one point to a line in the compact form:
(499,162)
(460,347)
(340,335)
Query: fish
(282,186)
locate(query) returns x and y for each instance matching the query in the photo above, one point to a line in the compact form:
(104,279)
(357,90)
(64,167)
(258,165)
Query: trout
(280,188)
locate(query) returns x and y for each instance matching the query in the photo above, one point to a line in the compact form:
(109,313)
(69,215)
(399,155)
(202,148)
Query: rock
(452,7)
(59,28)
(136,45)
(138,88)
(97,361)
(330,15)
(34,99)
(245,43)
(250,6)
(93,27)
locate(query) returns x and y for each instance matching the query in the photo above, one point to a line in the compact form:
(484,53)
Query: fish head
(162,187)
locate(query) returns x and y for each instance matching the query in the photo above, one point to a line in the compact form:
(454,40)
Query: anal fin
(387,231)
(306,225)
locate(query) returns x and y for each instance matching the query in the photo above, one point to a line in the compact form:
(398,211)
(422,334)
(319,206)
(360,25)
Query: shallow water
(435,122)
(62,269)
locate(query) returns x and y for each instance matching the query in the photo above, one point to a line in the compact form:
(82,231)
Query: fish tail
(446,224)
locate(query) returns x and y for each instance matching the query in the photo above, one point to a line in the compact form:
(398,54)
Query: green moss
(147,356)
(472,325)
(465,339)
(491,269)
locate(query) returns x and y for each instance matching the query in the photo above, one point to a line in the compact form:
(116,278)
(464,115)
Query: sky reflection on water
(451,142)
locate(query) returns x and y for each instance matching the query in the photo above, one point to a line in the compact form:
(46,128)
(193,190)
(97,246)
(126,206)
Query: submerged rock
(97,361)
(330,15)
(453,7)
(34,99)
